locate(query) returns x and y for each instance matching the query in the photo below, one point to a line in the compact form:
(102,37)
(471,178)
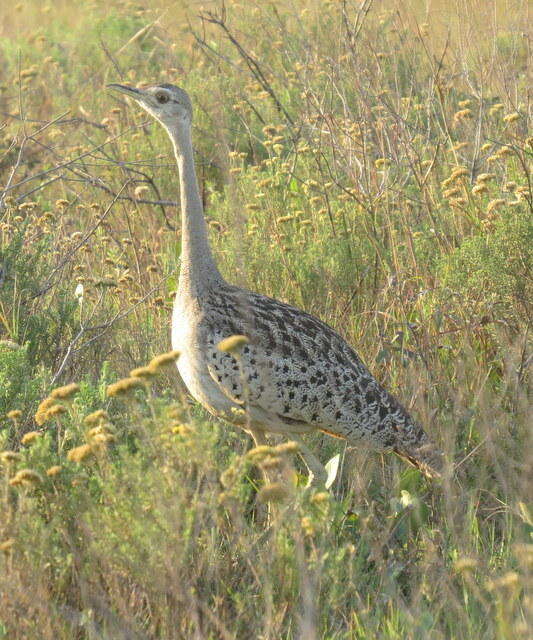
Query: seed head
(479,189)
(29,437)
(269,130)
(283,219)
(459,172)
(14,415)
(233,344)
(458,202)
(272,462)
(103,438)
(54,471)
(124,386)
(9,457)
(496,108)
(450,193)
(461,115)
(163,360)
(260,452)
(27,477)
(495,204)
(287,447)
(56,410)
(62,393)
(142,372)
(41,414)
(78,454)
(96,417)
(511,117)
(506,150)
(485,177)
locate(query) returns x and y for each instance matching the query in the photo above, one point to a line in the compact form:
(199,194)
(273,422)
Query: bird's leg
(317,472)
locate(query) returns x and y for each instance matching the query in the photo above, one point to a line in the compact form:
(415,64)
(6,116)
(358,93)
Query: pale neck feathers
(198,271)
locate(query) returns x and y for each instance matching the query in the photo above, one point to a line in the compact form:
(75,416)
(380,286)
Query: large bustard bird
(295,375)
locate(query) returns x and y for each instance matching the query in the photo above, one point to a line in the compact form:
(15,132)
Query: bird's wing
(299,371)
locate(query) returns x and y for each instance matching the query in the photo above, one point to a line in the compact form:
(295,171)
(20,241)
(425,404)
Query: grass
(368,162)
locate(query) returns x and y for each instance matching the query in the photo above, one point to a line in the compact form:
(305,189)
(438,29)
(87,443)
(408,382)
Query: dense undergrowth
(369,162)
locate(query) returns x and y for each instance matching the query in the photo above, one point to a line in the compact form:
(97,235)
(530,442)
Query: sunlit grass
(374,169)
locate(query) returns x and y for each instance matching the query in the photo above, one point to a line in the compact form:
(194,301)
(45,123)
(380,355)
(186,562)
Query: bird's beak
(129,91)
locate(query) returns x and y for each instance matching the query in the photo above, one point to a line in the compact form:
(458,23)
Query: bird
(288,372)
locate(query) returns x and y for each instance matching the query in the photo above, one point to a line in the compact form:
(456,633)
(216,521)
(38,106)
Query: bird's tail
(425,457)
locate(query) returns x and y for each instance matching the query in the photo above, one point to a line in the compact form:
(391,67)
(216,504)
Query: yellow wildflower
(142,372)
(41,414)
(459,172)
(449,193)
(287,447)
(29,437)
(461,115)
(56,410)
(96,417)
(511,117)
(78,454)
(495,204)
(123,386)
(27,477)
(260,452)
(163,360)
(54,471)
(479,189)
(62,393)
(232,344)
(8,457)
(485,177)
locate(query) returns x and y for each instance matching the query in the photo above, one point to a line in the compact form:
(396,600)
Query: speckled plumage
(299,375)
(296,375)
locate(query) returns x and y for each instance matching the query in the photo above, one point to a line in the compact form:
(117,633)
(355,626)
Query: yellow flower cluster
(232,344)
(124,386)
(26,477)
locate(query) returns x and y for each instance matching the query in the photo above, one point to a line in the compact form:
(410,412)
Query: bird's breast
(188,339)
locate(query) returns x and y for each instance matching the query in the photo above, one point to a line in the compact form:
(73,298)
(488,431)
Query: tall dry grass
(369,162)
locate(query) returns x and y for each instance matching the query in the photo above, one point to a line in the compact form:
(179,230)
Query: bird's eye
(162,98)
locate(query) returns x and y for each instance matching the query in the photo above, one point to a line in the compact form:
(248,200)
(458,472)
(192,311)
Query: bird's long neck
(198,269)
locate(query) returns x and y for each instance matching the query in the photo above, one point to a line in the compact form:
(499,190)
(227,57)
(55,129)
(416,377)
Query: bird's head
(165,102)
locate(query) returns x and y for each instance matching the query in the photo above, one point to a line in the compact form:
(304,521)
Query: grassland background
(368,162)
